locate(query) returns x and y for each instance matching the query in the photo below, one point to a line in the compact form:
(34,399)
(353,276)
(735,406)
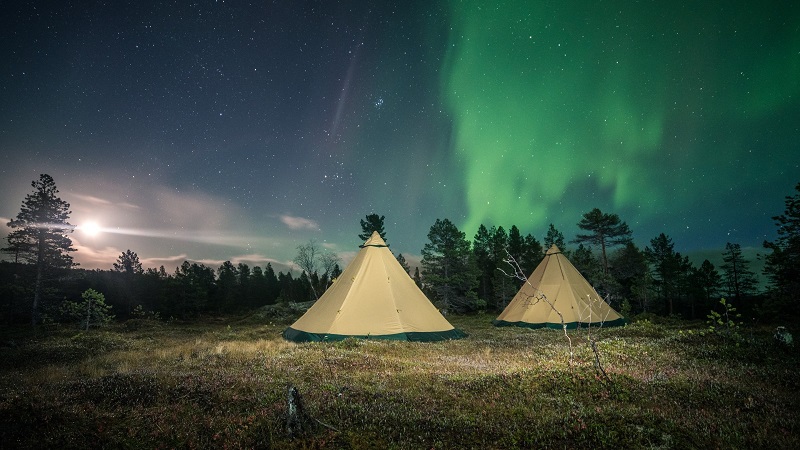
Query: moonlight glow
(90,228)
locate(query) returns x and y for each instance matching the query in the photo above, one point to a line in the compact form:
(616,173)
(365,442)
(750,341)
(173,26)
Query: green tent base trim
(290,334)
(570,326)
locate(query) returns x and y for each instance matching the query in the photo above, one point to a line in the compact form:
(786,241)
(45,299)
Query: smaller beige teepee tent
(373,298)
(557,280)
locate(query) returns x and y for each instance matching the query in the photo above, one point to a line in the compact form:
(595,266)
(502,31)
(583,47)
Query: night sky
(211,131)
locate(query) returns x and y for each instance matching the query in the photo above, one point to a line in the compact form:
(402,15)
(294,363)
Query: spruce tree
(451,274)
(554,237)
(739,279)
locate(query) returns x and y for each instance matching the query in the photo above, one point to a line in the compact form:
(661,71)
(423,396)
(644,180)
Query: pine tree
(91,311)
(128,262)
(39,235)
(605,230)
(374,222)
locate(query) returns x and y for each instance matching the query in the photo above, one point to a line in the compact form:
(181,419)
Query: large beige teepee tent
(373,298)
(558,281)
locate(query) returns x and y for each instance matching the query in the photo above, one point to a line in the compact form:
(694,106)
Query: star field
(215,131)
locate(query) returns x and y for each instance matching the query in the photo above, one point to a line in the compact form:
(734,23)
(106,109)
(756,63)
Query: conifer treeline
(192,289)
(457,273)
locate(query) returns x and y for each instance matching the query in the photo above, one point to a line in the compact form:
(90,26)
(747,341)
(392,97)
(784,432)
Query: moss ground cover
(222,384)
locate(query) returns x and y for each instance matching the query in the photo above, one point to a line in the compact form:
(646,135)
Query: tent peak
(553,250)
(374,241)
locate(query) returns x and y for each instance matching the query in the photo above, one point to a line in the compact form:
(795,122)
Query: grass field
(223,384)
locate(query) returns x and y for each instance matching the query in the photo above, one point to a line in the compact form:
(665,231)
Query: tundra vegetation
(222,382)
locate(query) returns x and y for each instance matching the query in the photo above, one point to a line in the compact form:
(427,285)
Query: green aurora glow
(639,109)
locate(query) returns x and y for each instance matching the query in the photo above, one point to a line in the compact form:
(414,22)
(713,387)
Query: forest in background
(460,275)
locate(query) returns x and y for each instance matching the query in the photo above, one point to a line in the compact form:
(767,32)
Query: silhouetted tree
(628,267)
(336,272)
(39,236)
(189,290)
(516,243)
(128,262)
(481,249)
(273,287)
(125,273)
(307,260)
(605,230)
(584,260)
(532,253)
(328,262)
(668,269)
(287,287)
(245,296)
(782,265)
(503,288)
(312,258)
(372,223)
(739,280)
(708,279)
(449,267)
(227,281)
(402,261)
(555,237)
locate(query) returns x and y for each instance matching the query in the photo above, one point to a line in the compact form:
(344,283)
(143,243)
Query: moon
(90,228)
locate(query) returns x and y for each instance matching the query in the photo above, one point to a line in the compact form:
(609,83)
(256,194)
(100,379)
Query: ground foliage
(222,382)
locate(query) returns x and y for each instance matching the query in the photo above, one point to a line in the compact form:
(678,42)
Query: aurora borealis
(666,113)
(221,131)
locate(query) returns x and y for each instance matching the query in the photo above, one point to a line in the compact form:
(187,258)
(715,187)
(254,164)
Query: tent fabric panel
(374,296)
(563,286)
(368,308)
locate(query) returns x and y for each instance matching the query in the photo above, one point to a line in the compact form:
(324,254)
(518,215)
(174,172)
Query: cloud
(167,225)
(92,199)
(4,228)
(94,258)
(165,261)
(299,223)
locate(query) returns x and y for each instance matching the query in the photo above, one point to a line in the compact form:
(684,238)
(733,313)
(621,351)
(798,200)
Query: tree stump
(297,419)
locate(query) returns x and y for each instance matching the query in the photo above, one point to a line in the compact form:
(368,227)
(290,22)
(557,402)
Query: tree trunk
(37,290)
